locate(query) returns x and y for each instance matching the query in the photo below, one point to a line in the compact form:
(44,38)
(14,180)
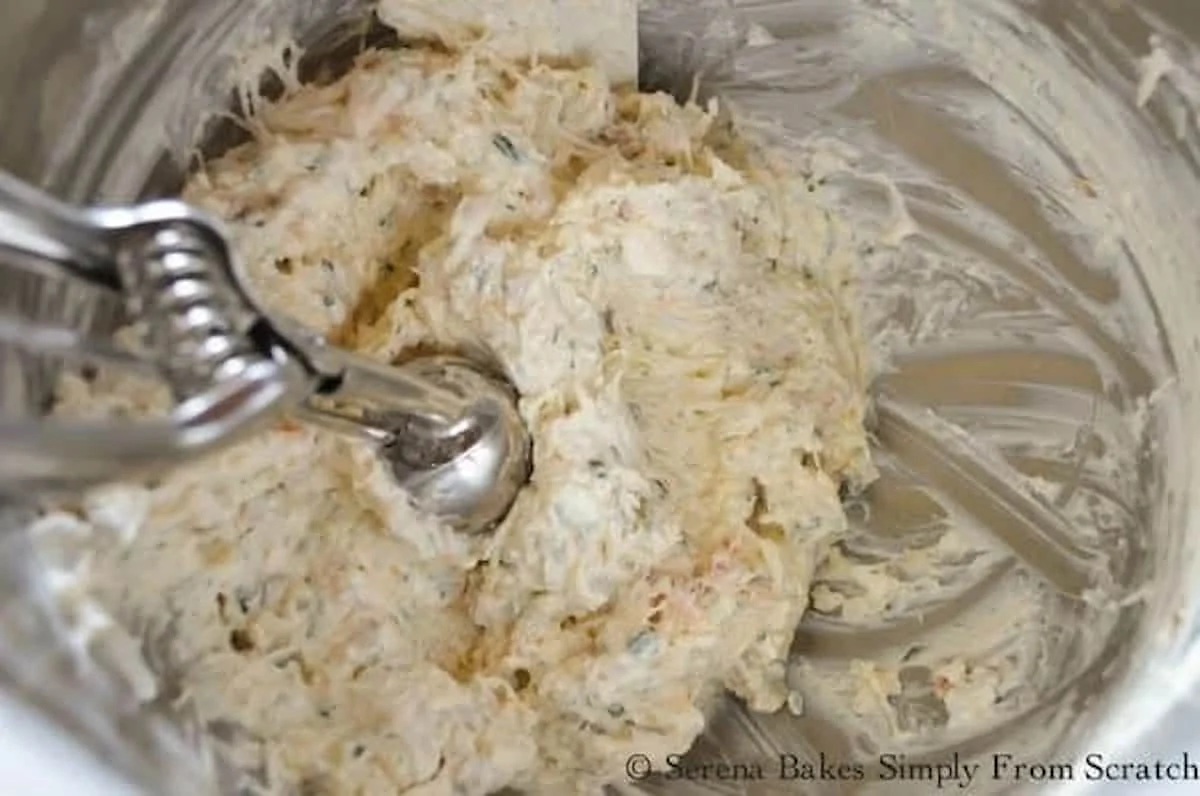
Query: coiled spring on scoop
(188,318)
(191,327)
(450,431)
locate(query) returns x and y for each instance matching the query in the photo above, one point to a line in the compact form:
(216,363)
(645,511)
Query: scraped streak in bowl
(998,576)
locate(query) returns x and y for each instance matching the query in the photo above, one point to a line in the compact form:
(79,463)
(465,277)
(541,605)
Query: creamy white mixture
(676,308)
(1041,256)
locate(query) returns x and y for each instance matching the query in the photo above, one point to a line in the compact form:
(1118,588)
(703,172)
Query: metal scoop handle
(450,433)
(51,238)
(155,258)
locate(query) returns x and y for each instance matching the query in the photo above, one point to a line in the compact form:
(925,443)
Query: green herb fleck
(506,147)
(644,644)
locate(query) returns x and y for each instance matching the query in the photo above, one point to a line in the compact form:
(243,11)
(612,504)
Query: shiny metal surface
(161,262)
(448,427)
(471,469)
(452,435)
(95,116)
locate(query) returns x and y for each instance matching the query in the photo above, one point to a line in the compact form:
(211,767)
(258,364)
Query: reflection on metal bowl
(1019,590)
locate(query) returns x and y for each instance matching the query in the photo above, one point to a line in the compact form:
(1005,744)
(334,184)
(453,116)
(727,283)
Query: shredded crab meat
(675,308)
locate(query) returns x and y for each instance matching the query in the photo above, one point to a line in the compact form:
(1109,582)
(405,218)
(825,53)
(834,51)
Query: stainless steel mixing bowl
(1044,310)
